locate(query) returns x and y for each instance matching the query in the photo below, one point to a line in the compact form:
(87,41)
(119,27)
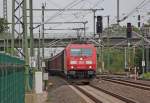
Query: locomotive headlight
(72,67)
(81,58)
(88,62)
(90,67)
(73,62)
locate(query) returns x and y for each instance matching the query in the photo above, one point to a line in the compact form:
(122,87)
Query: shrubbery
(146,75)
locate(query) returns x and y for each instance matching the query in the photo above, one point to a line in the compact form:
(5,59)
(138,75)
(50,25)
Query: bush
(146,75)
(116,60)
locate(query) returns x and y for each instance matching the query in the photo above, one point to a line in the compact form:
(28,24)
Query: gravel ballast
(142,96)
(60,92)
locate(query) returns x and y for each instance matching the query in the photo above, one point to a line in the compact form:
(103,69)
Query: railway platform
(36,98)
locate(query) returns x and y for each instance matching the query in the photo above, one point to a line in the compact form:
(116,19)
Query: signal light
(139,24)
(99,18)
(99,24)
(139,17)
(129,30)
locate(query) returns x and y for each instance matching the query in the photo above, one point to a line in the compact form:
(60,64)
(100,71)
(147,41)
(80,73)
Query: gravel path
(60,92)
(142,96)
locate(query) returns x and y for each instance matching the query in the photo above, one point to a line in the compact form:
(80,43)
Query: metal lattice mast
(5,18)
(31,29)
(19,17)
(19,23)
(5,9)
(13,27)
(25,42)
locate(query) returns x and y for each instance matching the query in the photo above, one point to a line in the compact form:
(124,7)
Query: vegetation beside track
(114,59)
(146,75)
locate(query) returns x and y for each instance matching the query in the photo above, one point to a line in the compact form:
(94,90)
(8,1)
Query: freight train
(77,60)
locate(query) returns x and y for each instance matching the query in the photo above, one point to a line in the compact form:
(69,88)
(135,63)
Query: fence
(12,88)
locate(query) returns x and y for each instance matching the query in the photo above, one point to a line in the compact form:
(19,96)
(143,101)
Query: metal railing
(12,88)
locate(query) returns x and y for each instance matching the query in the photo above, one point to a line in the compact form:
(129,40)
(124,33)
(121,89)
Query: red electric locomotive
(77,60)
(80,60)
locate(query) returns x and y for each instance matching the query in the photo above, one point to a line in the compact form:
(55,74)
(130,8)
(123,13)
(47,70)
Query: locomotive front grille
(81,74)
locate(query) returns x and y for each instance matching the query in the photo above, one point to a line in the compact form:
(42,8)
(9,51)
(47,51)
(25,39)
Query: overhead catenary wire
(55,4)
(71,6)
(143,3)
(145,39)
(85,13)
(122,42)
(58,6)
(139,6)
(60,12)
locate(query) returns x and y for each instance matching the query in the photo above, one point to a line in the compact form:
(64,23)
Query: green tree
(3,25)
(116,60)
(138,58)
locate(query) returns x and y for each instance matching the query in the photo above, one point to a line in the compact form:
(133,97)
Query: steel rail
(128,84)
(127,100)
(88,94)
(142,84)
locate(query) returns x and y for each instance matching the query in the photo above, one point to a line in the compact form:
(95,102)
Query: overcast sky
(109,6)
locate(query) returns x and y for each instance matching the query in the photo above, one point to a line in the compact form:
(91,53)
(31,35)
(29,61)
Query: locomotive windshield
(81,52)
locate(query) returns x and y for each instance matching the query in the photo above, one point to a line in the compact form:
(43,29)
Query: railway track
(142,84)
(129,83)
(88,94)
(99,95)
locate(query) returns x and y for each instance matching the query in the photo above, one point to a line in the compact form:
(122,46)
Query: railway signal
(99,24)
(139,19)
(129,30)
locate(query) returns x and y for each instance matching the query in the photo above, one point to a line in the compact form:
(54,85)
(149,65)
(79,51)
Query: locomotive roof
(80,44)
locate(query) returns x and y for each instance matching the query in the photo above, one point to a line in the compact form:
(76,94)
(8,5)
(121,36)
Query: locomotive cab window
(81,52)
(75,52)
(86,52)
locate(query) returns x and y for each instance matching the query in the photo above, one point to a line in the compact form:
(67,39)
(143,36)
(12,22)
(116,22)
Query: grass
(146,75)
